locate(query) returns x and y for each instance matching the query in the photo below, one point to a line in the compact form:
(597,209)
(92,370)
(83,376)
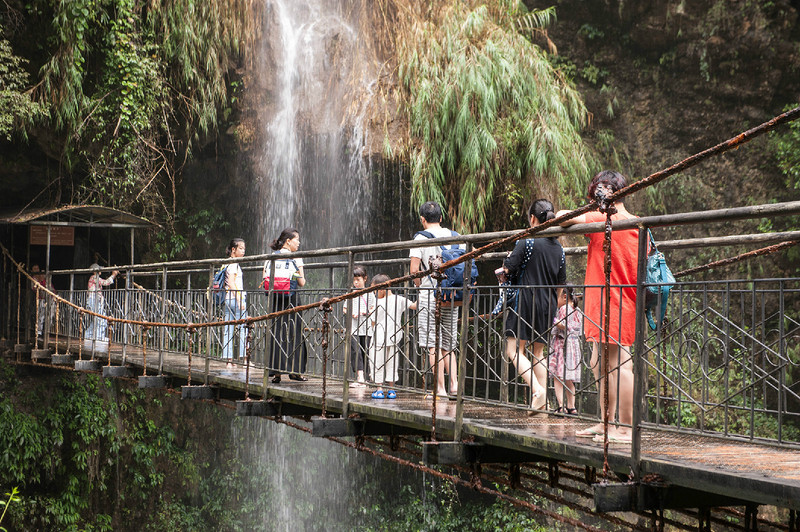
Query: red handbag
(282,285)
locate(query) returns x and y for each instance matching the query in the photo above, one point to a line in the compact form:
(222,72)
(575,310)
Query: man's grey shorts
(426,325)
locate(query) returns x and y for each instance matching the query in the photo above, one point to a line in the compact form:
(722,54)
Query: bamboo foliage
(489,116)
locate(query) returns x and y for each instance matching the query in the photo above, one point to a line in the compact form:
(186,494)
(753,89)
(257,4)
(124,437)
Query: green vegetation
(93,457)
(442,511)
(12,497)
(786,146)
(489,116)
(90,454)
(128,90)
(16,105)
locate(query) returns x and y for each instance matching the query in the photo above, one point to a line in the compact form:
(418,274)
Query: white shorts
(426,324)
(383,363)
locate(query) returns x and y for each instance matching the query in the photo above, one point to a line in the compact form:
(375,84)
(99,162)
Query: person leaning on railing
(622,309)
(98,327)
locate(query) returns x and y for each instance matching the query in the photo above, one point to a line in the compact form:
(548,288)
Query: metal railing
(725,362)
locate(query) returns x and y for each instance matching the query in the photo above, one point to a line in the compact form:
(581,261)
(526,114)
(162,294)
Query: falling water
(312,483)
(314,170)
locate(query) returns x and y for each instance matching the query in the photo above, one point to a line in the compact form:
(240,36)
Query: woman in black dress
(288,352)
(536,305)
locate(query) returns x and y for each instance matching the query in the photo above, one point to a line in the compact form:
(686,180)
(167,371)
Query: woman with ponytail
(288,353)
(539,265)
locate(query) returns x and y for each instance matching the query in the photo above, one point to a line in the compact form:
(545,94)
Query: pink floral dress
(565,345)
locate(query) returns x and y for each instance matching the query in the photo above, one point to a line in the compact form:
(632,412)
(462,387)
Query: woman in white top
(95,302)
(288,352)
(235,303)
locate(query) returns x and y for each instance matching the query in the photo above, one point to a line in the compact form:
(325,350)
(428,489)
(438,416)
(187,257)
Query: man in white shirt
(430,215)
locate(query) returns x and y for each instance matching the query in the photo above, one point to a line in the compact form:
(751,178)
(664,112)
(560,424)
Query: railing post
(782,354)
(348,336)
(466,303)
(639,365)
(163,336)
(126,326)
(269,328)
(68,325)
(209,317)
(49,302)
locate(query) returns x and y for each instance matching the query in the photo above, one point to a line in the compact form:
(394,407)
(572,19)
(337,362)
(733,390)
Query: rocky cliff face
(666,79)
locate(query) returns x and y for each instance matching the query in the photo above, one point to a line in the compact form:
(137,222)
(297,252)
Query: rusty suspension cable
(738,258)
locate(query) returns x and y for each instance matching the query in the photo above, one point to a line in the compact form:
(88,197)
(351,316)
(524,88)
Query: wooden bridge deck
(761,473)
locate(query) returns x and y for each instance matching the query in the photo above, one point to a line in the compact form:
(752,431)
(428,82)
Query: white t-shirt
(234,285)
(284,268)
(424,254)
(388,320)
(363,313)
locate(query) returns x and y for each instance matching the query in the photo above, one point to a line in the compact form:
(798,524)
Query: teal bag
(658,274)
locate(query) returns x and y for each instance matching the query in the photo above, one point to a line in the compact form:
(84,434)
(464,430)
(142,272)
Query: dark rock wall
(680,77)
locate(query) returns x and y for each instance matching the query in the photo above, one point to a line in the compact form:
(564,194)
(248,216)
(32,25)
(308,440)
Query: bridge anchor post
(40,356)
(22,352)
(66,359)
(257,408)
(152,381)
(199,392)
(116,372)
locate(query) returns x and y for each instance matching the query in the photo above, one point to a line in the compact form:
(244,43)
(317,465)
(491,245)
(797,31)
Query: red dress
(624,255)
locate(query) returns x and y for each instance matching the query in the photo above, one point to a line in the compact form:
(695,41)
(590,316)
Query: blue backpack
(657,297)
(450,288)
(218,286)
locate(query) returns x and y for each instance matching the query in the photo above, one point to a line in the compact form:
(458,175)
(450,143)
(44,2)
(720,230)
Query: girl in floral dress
(565,355)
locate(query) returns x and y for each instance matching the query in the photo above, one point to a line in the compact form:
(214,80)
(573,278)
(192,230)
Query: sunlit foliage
(491,120)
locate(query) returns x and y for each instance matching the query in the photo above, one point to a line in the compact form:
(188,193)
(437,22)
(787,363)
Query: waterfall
(312,169)
(306,483)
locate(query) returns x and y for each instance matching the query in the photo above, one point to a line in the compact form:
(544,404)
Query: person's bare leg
(570,399)
(597,428)
(515,351)
(539,367)
(440,389)
(624,389)
(451,365)
(559,389)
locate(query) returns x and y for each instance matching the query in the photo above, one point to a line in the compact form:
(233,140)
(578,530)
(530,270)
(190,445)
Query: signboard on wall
(60,235)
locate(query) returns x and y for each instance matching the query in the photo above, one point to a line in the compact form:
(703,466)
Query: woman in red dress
(621,331)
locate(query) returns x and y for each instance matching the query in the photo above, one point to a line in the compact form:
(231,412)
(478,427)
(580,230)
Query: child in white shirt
(387,334)
(363,308)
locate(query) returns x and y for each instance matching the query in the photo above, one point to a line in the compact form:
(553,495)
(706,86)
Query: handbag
(659,281)
(283,285)
(508,296)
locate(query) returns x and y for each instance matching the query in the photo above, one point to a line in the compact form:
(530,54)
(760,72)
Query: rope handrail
(652,179)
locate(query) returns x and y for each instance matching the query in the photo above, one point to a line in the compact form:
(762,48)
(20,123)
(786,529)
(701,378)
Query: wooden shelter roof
(79,216)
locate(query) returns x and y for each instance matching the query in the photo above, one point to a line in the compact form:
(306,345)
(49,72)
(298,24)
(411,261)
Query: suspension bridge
(716,391)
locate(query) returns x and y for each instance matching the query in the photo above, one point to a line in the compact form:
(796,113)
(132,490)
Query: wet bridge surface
(699,469)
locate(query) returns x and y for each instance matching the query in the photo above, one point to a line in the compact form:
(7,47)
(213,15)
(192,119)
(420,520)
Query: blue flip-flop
(378,394)
(391,394)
